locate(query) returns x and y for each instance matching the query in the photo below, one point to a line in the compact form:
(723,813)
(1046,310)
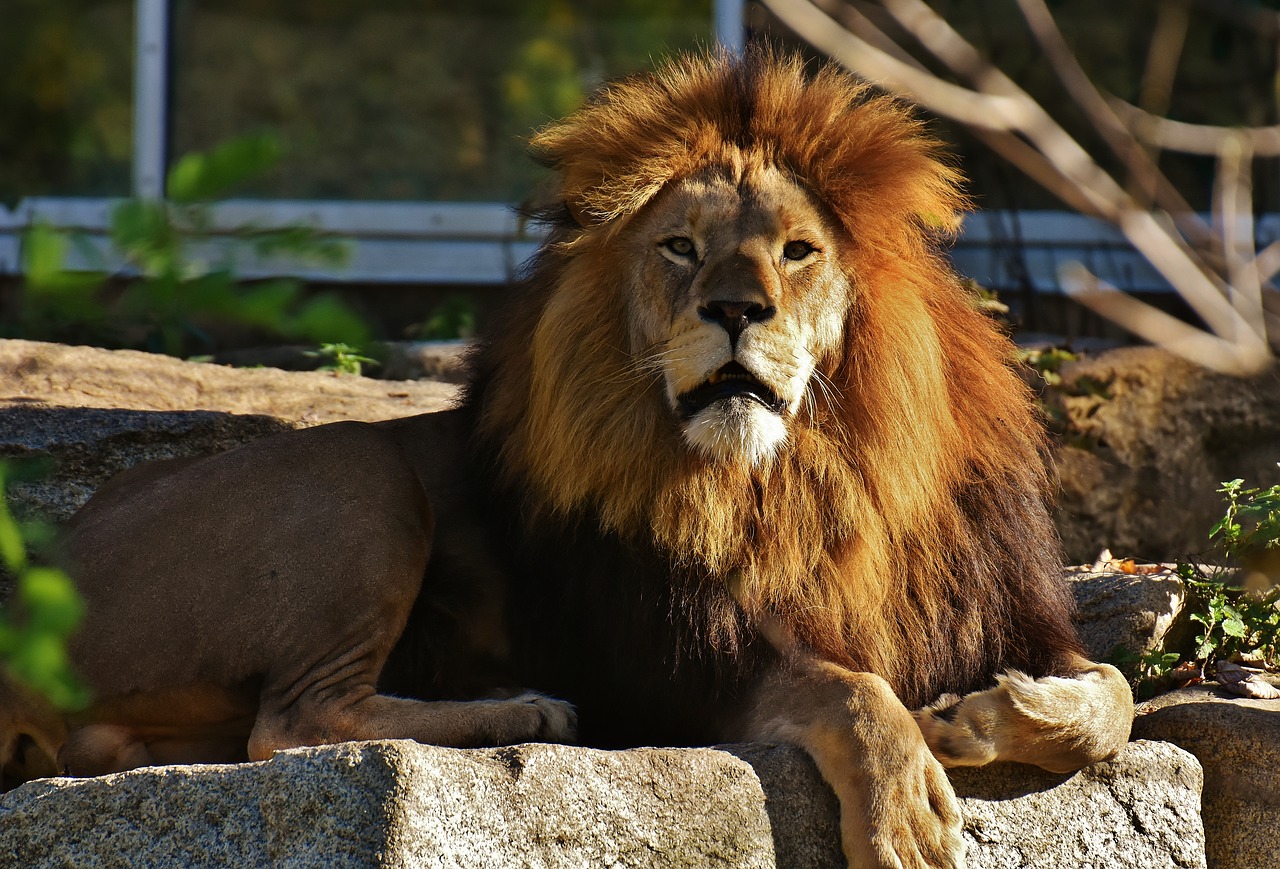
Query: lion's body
(739,460)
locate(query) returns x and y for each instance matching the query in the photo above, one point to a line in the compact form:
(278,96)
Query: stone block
(1237,742)
(400,804)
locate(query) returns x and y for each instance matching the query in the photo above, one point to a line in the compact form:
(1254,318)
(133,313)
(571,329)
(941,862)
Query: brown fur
(921,462)
(870,537)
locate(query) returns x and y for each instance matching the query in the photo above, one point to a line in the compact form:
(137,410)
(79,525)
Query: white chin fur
(736,429)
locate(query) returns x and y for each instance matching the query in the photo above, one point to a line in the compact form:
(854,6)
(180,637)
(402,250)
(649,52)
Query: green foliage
(172,299)
(1251,524)
(342,358)
(38,618)
(199,176)
(1234,605)
(455,317)
(1238,611)
(1047,362)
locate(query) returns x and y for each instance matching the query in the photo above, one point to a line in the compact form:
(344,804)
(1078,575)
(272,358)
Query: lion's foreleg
(896,805)
(1061,724)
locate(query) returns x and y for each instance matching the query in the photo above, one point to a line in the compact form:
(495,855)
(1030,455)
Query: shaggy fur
(740,461)
(902,529)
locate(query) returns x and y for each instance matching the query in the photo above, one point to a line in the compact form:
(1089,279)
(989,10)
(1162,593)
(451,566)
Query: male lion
(740,460)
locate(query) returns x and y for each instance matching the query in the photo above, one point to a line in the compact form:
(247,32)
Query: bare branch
(1004,116)
(970,108)
(1233,202)
(1099,112)
(1200,139)
(1163,330)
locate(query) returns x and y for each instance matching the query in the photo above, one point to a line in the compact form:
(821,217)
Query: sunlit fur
(902,522)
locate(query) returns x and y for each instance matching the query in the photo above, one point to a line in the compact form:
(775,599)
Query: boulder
(1150,437)
(88,413)
(1133,613)
(77,449)
(32,372)
(401,804)
(1236,741)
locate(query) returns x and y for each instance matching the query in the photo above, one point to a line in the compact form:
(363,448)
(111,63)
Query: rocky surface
(400,804)
(1150,439)
(87,414)
(1128,612)
(1141,481)
(57,375)
(1236,741)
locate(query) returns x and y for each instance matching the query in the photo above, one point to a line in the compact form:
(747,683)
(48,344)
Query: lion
(740,459)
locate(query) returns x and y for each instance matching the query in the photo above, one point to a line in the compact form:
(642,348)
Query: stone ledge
(1235,741)
(400,804)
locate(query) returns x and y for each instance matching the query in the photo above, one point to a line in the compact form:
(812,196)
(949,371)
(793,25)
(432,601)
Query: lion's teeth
(721,376)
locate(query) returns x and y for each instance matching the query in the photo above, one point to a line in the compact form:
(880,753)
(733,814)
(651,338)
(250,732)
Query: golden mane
(908,503)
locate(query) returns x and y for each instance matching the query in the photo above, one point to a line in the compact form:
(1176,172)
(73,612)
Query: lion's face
(736,297)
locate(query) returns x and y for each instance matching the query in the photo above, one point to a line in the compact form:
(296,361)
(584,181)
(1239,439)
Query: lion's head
(740,344)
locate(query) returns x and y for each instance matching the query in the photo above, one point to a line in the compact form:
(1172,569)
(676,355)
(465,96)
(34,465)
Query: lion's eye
(797,250)
(680,246)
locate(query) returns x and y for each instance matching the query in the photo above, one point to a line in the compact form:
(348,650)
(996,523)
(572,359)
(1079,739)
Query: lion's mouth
(731,381)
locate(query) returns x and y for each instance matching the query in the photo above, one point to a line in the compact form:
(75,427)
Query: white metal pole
(731,25)
(150,97)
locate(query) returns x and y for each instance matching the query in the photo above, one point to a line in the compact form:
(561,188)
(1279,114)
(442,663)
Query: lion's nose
(735,316)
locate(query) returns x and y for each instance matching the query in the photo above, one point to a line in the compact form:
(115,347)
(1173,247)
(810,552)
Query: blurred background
(397,127)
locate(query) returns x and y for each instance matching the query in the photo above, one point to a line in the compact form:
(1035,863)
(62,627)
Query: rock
(1138,810)
(397,803)
(438,360)
(91,413)
(1119,611)
(1144,460)
(84,447)
(54,374)
(1236,742)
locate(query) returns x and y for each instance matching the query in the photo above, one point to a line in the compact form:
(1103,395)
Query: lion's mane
(903,528)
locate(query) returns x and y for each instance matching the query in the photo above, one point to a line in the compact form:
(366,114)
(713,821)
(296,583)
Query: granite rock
(1236,741)
(399,804)
(1146,452)
(1133,612)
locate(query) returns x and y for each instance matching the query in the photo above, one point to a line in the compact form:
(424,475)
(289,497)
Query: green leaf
(44,255)
(51,599)
(145,234)
(13,551)
(327,319)
(266,304)
(209,175)
(1233,627)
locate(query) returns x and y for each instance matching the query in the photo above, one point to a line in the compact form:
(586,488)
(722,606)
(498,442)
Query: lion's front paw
(559,720)
(955,737)
(908,819)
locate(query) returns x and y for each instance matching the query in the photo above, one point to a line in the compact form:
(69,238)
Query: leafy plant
(1238,611)
(343,358)
(170,294)
(1047,362)
(1233,602)
(455,317)
(39,616)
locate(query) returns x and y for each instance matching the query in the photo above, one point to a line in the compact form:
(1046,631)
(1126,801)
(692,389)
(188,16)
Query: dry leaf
(1245,683)
(1108,563)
